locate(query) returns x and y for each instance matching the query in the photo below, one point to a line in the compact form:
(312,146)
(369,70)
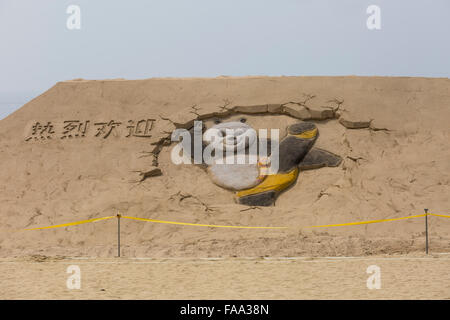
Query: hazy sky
(137,39)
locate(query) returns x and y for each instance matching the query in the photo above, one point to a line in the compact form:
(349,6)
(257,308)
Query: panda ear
(217,121)
(243,120)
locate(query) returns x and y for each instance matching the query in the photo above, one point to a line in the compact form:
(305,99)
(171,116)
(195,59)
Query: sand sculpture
(390,133)
(253,183)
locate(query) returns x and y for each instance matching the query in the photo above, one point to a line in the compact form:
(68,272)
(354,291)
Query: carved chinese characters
(77,129)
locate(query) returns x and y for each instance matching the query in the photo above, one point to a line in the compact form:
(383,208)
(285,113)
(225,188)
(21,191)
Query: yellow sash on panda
(276,182)
(280,181)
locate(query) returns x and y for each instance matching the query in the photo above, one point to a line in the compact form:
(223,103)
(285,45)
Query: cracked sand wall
(395,164)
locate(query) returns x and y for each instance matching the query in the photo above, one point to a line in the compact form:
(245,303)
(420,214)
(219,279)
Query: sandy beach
(402,277)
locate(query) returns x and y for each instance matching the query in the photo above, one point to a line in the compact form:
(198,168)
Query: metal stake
(118,234)
(426,231)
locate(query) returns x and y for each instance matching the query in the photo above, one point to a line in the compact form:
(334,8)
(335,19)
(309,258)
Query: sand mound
(87,149)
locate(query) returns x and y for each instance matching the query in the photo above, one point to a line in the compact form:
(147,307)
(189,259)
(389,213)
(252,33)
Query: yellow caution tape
(234,227)
(243,227)
(72,223)
(200,225)
(367,222)
(438,215)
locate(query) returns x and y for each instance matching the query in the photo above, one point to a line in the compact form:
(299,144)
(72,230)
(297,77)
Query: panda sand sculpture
(250,182)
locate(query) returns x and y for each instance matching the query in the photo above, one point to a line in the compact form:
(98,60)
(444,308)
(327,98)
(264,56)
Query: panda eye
(217,121)
(243,120)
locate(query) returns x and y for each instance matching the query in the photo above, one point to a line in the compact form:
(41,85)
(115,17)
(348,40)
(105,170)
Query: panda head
(231,135)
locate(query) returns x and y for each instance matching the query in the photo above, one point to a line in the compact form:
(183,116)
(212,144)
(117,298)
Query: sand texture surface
(402,277)
(87,159)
